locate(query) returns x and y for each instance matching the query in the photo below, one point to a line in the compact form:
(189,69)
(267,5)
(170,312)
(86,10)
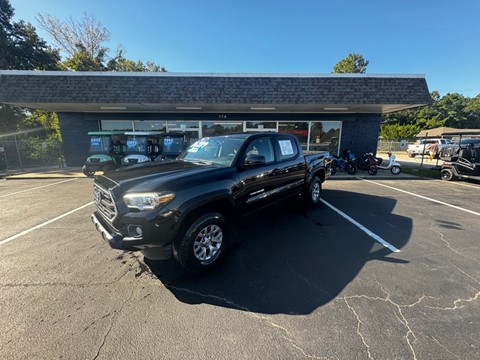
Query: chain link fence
(390,145)
(19,151)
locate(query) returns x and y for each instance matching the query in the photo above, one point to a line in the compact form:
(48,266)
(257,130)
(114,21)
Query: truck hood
(128,177)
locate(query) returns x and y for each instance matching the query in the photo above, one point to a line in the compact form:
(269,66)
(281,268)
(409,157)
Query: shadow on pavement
(288,262)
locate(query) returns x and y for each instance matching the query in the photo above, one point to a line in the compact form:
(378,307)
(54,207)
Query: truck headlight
(147,201)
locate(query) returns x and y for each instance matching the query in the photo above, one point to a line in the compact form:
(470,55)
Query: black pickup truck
(185,206)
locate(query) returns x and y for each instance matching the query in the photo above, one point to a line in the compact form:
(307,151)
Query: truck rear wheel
(203,244)
(314,192)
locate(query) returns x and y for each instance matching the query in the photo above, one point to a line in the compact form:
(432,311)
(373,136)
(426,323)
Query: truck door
(291,168)
(282,174)
(256,184)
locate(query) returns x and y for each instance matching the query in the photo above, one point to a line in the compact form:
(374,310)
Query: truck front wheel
(203,244)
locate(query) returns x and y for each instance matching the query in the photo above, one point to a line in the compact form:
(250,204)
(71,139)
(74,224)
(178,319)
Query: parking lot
(386,268)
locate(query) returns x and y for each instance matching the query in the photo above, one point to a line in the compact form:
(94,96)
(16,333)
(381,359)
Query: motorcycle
(368,162)
(341,164)
(394,166)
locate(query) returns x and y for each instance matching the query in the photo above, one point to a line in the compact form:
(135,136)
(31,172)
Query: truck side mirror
(254,160)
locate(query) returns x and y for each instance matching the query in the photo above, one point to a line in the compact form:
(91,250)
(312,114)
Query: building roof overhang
(113,92)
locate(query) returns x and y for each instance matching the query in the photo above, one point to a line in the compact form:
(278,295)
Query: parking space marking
(44,224)
(423,197)
(35,188)
(361,227)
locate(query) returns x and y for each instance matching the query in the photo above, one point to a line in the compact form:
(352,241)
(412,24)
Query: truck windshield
(218,150)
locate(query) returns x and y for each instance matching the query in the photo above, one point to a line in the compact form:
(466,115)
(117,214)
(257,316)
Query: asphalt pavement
(385,268)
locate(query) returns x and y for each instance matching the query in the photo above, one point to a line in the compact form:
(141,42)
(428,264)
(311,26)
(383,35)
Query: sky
(436,38)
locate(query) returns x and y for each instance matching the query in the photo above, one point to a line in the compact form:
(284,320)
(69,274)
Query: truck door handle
(279,171)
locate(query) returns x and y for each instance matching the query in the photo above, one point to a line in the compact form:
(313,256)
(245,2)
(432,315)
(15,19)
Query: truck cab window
(262,147)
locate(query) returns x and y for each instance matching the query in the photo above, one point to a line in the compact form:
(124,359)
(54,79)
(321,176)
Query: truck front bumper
(147,243)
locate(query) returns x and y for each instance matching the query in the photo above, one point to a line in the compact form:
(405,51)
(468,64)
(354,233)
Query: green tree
(45,145)
(21,49)
(82,60)
(20,46)
(353,63)
(398,132)
(84,43)
(452,110)
(120,63)
(472,110)
(9,117)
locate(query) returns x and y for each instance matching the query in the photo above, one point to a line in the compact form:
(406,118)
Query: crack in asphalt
(445,348)
(142,269)
(410,336)
(266,319)
(442,238)
(359,323)
(112,322)
(455,303)
(399,315)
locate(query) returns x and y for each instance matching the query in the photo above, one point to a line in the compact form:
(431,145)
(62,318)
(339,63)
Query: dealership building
(326,111)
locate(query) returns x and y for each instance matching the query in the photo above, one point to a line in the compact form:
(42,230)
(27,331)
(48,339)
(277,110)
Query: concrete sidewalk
(44,172)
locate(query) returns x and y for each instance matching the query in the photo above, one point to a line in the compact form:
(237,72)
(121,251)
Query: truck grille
(104,202)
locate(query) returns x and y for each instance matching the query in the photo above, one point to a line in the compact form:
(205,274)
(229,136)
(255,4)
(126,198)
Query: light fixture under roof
(336,108)
(188,108)
(113,107)
(263,108)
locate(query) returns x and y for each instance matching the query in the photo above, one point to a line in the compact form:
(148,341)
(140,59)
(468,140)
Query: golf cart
(142,146)
(172,145)
(462,161)
(106,149)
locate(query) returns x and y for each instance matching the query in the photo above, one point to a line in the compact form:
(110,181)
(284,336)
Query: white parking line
(423,197)
(35,188)
(363,228)
(43,224)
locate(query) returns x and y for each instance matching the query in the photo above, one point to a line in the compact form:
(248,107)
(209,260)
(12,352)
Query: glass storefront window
(212,128)
(116,125)
(189,128)
(146,125)
(179,125)
(313,135)
(324,136)
(300,129)
(260,126)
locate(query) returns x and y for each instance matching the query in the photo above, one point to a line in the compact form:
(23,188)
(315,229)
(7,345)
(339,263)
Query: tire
(412,155)
(395,170)
(203,244)
(351,168)
(87,172)
(333,170)
(372,169)
(314,192)
(447,175)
